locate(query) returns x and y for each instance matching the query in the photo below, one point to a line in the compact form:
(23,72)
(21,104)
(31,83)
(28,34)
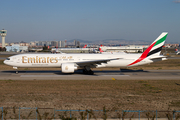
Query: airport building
(61,44)
(76,43)
(16,48)
(129,48)
(73,50)
(48,43)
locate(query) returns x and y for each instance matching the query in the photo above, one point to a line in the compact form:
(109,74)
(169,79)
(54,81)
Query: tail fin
(177,50)
(84,46)
(101,50)
(154,49)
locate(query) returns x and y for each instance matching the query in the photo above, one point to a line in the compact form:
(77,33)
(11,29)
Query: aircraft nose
(5,61)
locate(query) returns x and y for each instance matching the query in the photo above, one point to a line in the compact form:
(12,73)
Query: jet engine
(68,67)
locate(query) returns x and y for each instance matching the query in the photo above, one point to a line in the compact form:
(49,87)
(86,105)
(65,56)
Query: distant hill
(81,41)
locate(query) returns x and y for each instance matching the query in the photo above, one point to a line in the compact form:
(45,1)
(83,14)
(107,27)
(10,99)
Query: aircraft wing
(94,62)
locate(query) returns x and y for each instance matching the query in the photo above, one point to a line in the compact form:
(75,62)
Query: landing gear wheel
(88,72)
(84,71)
(16,68)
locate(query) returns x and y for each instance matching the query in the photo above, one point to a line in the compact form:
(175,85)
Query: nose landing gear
(16,69)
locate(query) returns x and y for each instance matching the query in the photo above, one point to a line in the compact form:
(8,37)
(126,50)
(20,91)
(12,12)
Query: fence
(51,113)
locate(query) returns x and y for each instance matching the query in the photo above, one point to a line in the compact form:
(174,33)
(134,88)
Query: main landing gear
(88,71)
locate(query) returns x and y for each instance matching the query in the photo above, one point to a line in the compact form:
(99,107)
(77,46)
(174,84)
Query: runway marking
(68,75)
(41,75)
(113,75)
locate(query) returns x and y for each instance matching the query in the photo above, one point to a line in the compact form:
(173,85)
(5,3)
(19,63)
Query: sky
(47,20)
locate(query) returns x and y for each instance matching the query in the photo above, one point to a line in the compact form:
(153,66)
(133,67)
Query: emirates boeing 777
(71,62)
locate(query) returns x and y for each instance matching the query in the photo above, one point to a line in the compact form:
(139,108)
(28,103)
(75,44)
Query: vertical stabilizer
(154,49)
(101,50)
(157,45)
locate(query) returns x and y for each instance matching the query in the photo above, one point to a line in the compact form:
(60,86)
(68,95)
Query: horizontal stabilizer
(157,57)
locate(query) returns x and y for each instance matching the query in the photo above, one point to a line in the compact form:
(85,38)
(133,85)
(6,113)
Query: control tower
(3,35)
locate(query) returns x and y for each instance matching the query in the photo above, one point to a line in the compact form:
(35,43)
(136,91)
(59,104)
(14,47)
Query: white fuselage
(56,60)
(71,62)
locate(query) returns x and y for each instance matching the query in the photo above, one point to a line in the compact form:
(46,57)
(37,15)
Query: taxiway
(98,75)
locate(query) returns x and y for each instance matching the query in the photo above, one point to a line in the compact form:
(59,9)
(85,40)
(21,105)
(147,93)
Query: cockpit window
(7,58)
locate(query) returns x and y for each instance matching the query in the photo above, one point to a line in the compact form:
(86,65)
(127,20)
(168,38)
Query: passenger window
(7,58)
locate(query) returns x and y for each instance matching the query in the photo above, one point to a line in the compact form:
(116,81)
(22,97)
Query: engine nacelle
(68,67)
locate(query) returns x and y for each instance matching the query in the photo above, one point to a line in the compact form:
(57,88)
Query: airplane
(71,62)
(177,52)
